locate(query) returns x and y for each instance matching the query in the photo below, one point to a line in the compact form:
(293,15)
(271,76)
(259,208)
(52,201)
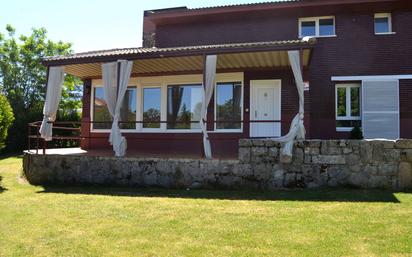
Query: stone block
(245,143)
(244,154)
(297,156)
(273,152)
(312,150)
(270,143)
(387,169)
(359,180)
(328,159)
(313,143)
(371,169)
(406,155)
(259,151)
(258,142)
(403,144)
(405,176)
(381,182)
(244,170)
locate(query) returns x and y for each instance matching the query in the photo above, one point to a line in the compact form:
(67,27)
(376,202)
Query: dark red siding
(355,51)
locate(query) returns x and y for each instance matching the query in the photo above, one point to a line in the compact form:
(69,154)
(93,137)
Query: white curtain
(297,128)
(53,95)
(115,81)
(209,85)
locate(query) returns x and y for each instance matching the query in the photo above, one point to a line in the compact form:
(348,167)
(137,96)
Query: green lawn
(88,221)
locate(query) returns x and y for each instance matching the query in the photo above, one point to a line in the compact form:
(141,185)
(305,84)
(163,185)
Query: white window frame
(348,116)
(384,15)
(162,113)
(92,129)
(317,26)
(163,82)
(241,107)
(181,84)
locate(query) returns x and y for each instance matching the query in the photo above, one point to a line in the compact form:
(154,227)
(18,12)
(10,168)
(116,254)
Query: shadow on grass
(2,189)
(316,195)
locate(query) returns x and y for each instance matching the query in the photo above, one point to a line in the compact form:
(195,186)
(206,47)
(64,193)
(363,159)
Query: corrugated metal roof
(247,4)
(124,52)
(184,8)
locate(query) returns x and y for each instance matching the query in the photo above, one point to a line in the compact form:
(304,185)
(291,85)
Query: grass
(93,221)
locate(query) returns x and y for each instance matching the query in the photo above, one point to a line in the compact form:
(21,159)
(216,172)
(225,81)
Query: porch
(244,66)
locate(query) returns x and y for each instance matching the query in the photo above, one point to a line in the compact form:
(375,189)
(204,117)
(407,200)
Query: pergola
(116,67)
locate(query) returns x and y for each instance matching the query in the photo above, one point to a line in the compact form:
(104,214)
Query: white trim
(93,130)
(252,95)
(371,78)
(317,25)
(348,103)
(383,15)
(241,108)
(344,129)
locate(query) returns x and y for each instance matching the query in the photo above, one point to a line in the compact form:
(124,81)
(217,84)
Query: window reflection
(151,107)
(228,105)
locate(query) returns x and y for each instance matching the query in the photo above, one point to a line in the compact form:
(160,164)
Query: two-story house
(355,57)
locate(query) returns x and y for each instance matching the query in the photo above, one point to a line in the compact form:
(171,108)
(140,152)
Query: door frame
(270,84)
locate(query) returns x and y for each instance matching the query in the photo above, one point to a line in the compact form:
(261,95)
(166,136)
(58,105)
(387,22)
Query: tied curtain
(297,128)
(116,77)
(208,86)
(53,95)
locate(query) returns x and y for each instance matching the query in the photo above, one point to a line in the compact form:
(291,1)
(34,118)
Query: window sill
(385,33)
(326,36)
(344,129)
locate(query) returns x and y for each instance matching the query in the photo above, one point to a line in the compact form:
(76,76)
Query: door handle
(255,114)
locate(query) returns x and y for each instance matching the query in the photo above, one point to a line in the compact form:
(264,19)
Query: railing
(76,135)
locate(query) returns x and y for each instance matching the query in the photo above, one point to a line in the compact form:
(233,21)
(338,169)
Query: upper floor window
(383,23)
(317,27)
(348,106)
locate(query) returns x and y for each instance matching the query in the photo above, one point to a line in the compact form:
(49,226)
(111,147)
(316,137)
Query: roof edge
(147,53)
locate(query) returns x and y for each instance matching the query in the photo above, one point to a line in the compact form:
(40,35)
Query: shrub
(6,119)
(356,133)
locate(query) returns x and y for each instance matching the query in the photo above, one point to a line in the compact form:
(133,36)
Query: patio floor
(94,152)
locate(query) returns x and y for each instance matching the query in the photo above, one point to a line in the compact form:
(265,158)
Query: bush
(6,119)
(356,133)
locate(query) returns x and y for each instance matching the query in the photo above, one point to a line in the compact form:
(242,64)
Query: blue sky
(90,24)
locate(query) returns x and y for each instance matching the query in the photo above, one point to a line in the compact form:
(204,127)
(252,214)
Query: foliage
(356,133)
(109,221)
(23,79)
(6,118)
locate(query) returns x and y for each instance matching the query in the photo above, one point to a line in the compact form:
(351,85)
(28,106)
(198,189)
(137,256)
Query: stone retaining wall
(315,163)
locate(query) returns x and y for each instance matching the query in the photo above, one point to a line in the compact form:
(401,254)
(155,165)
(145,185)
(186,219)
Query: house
(354,58)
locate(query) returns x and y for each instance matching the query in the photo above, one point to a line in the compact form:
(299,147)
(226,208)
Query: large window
(383,23)
(102,116)
(348,104)
(228,106)
(184,103)
(317,26)
(151,107)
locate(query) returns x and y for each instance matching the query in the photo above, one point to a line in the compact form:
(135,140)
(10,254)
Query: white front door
(265,106)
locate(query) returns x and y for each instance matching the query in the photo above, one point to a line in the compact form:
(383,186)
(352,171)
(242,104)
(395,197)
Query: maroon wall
(355,51)
(223,144)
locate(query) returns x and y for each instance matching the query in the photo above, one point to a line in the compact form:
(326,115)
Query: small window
(228,106)
(184,103)
(317,27)
(383,23)
(151,107)
(102,116)
(348,104)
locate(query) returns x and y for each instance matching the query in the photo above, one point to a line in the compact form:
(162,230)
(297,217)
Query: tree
(23,79)
(6,119)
